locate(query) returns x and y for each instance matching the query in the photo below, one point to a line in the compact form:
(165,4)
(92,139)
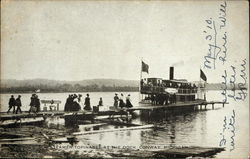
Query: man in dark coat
(18,104)
(87,103)
(116,99)
(12,103)
(32,103)
(37,103)
(67,104)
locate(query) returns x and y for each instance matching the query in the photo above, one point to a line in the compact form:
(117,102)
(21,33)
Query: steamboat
(158,91)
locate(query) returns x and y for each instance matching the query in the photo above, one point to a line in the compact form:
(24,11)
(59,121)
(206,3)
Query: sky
(76,40)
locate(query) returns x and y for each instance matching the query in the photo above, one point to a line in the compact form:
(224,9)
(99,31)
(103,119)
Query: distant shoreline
(62,92)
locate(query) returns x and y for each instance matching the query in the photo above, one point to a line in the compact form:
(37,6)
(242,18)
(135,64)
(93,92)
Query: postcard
(124,79)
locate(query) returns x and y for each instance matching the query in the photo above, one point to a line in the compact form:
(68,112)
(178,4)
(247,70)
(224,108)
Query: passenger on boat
(121,101)
(12,103)
(128,102)
(87,103)
(142,83)
(18,104)
(174,98)
(116,99)
(100,103)
(166,99)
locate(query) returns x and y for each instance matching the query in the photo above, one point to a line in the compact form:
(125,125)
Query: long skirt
(128,104)
(121,104)
(87,107)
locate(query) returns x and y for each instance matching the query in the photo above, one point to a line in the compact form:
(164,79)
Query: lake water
(195,128)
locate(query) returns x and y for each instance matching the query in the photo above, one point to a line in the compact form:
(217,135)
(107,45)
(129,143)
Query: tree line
(68,88)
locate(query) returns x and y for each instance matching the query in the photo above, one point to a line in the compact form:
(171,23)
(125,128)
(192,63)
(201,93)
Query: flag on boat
(202,75)
(144,67)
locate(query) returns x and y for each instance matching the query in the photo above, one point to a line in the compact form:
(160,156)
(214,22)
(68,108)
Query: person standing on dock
(121,101)
(116,99)
(32,104)
(37,103)
(67,104)
(79,100)
(87,103)
(18,104)
(12,103)
(128,102)
(100,102)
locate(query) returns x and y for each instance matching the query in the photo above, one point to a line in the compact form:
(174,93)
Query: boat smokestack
(171,73)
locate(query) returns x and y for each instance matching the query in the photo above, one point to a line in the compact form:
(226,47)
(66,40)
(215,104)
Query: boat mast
(140,81)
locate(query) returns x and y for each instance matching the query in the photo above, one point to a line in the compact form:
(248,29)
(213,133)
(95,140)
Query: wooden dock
(194,104)
(25,117)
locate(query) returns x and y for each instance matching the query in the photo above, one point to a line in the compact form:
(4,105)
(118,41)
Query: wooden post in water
(223,104)
(201,107)
(205,107)
(212,105)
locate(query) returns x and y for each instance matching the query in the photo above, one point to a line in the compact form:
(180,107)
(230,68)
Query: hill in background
(90,85)
(46,85)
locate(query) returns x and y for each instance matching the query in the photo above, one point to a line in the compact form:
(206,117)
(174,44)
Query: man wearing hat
(12,103)
(116,99)
(18,104)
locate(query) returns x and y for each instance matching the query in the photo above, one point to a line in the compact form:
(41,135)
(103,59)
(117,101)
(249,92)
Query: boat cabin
(179,89)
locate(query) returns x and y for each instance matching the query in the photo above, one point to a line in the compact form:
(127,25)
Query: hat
(19,95)
(115,93)
(87,94)
(12,96)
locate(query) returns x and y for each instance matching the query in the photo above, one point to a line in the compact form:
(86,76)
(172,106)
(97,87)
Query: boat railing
(161,89)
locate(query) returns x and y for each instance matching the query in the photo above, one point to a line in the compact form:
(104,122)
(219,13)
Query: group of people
(16,104)
(13,103)
(34,104)
(145,84)
(120,101)
(163,99)
(74,103)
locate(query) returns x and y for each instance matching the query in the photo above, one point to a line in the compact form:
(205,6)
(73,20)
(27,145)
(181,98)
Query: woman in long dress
(128,102)
(87,103)
(121,101)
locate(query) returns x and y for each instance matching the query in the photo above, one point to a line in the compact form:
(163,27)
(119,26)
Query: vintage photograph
(124,79)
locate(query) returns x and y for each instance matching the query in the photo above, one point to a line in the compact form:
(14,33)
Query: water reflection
(180,128)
